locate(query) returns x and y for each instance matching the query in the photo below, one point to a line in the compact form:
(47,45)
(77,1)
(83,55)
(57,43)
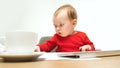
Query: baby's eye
(55,26)
(61,25)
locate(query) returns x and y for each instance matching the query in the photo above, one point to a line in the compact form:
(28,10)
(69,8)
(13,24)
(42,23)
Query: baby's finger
(37,49)
(82,48)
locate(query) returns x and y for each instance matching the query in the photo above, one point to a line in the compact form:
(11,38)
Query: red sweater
(70,43)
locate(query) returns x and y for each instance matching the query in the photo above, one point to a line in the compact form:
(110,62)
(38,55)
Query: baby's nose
(57,28)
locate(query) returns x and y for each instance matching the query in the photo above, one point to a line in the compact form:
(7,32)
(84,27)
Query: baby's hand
(85,48)
(37,49)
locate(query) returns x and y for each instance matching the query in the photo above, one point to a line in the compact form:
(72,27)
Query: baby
(66,38)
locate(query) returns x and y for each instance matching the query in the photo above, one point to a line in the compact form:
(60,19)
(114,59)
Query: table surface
(104,62)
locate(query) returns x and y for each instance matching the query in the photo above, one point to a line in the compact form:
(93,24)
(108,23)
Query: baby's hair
(71,11)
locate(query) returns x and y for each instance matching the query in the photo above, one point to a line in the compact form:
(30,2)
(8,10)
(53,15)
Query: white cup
(21,41)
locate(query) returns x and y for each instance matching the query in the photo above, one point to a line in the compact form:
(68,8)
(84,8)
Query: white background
(98,18)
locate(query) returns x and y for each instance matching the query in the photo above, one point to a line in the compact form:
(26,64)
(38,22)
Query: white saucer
(9,56)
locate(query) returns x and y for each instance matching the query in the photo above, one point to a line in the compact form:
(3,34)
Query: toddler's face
(63,25)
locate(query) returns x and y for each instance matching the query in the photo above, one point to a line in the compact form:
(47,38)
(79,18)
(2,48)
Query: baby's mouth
(59,33)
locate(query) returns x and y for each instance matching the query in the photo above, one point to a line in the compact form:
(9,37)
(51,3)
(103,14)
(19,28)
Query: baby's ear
(74,21)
